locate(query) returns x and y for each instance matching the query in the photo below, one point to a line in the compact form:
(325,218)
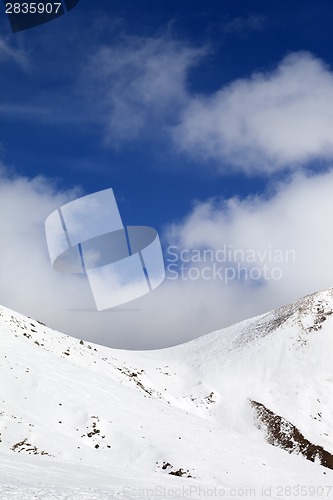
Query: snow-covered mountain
(81,421)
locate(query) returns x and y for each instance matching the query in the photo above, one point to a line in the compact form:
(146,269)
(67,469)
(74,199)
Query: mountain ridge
(67,401)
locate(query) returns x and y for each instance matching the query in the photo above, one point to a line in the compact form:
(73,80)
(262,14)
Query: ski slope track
(244,412)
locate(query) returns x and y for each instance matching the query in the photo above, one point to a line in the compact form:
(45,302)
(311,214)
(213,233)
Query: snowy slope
(78,420)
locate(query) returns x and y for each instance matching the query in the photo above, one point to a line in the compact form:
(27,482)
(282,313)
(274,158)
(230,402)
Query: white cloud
(26,280)
(270,121)
(297,217)
(293,222)
(139,82)
(264,123)
(30,286)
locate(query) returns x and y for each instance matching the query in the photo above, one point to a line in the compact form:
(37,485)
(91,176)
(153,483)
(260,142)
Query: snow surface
(82,421)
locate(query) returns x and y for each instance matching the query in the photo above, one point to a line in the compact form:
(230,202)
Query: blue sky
(212,121)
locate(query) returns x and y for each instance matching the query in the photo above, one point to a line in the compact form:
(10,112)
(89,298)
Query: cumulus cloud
(287,232)
(26,281)
(30,286)
(267,122)
(294,217)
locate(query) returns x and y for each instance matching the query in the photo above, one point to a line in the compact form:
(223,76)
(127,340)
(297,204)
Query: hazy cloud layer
(138,83)
(294,217)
